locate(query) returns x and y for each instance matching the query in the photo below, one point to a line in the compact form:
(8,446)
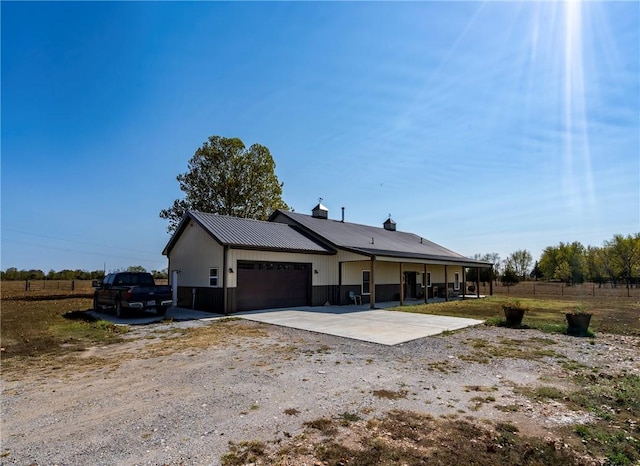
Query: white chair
(355,298)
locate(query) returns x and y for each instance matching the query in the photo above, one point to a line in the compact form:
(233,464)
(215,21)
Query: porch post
(464,282)
(401,287)
(491,282)
(372,285)
(225,278)
(340,283)
(478,284)
(426,288)
(446,284)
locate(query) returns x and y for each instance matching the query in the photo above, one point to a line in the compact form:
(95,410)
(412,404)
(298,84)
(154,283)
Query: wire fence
(40,287)
(603,290)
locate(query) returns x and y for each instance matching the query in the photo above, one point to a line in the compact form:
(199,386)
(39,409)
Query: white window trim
(217,276)
(362,283)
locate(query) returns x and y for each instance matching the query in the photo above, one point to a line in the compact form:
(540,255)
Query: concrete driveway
(361,323)
(357,322)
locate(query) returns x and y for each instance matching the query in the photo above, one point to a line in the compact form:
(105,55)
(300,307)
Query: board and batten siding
(194,254)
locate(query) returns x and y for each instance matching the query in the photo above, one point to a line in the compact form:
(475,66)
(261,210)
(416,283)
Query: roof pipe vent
(343,215)
(389,224)
(320,211)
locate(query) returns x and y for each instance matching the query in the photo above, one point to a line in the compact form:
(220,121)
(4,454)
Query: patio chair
(355,298)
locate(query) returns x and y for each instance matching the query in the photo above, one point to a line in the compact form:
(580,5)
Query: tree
(624,253)
(573,254)
(509,277)
(224,177)
(520,261)
(136,268)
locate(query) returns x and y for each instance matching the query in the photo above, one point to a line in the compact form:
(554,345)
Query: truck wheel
(119,311)
(96,306)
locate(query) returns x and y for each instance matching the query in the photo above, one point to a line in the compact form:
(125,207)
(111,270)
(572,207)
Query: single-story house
(227,264)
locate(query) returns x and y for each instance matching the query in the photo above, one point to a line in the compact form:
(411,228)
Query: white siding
(193,254)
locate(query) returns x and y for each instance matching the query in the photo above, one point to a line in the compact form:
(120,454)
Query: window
(428,278)
(213,276)
(366,282)
(456,281)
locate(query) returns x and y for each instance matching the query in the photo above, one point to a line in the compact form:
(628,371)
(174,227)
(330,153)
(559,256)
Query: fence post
(73,285)
(562,289)
(26,285)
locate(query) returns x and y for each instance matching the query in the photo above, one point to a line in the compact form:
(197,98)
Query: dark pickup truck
(128,291)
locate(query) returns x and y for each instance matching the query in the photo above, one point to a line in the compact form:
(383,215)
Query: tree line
(12,273)
(616,261)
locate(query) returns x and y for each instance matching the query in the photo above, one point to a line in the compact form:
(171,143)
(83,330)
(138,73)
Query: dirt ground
(179,393)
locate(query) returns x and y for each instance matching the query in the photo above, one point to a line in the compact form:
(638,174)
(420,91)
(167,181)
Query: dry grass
(409,438)
(614,315)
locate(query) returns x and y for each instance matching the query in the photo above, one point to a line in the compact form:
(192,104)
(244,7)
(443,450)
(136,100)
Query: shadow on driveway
(143,318)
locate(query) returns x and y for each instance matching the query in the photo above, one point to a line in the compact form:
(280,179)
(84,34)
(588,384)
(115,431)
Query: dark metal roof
(250,234)
(375,241)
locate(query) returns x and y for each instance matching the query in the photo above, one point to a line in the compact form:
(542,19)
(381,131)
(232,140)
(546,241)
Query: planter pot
(578,324)
(514,316)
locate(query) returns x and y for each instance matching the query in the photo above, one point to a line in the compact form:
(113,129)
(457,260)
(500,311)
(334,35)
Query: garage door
(267,285)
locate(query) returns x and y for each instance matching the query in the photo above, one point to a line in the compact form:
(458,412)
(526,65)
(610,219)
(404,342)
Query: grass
(31,328)
(616,315)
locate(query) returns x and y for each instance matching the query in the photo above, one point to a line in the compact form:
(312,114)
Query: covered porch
(408,280)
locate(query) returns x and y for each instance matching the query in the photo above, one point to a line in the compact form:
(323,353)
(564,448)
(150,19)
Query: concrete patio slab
(359,323)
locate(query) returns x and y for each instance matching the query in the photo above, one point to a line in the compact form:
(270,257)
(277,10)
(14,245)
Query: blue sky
(483,126)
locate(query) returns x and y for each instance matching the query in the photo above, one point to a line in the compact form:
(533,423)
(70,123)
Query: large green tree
(555,259)
(624,254)
(226,178)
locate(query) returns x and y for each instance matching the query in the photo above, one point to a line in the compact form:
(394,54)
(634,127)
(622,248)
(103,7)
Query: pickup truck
(128,291)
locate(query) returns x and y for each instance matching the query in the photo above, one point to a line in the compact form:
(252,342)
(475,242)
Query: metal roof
(249,233)
(374,240)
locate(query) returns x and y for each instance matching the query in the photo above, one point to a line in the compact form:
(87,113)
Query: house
(229,264)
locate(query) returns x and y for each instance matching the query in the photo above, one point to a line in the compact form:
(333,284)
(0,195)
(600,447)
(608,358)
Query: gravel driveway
(178,393)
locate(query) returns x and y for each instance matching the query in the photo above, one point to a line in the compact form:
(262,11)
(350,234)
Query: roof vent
(320,211)
(389,224)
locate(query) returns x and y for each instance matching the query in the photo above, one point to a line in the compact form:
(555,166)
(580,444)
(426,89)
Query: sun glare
(577,174)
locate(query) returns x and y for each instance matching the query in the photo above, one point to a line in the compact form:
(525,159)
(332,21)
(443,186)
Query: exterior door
(410,285)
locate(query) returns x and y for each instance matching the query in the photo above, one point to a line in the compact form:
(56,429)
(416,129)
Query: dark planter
(578,324)
(514,316)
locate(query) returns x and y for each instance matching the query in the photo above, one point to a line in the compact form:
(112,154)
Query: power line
(72,240)
(80,252)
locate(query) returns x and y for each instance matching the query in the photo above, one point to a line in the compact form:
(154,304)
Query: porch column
(478,285)
(401,286)
(464,283)
(446,284)
(426,288)
(340,283)
(225,285)
(372,284)
(491,282)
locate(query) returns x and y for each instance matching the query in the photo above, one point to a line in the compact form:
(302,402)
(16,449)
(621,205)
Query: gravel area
(167,398)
